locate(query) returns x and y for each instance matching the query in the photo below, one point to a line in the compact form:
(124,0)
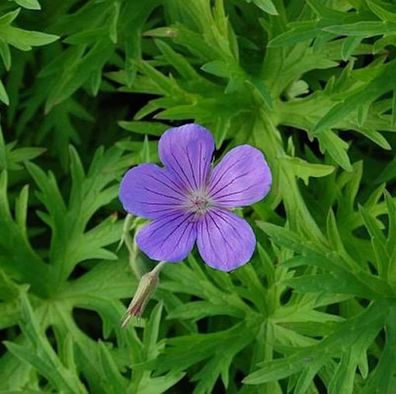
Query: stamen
(198,202)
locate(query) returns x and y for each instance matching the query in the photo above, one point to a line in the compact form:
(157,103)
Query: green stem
(158,267)
(130,224)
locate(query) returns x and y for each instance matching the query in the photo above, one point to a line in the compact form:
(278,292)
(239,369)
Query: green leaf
(151,333)
(40,353)
(378,241)
(267,6)
(81,68)
(8,18)
(29,4)
(220,349)
(300,32)
(3,94)
(113,28)
(284,237)
(363,29)
(336,147)
(340,280)
(116,383)
(374,136)
(385,11)
(263,90)
(25,154)
(23,39)
(5,55)
(199,309)
(217,68)
(143,127)
(305,170)
(381,379)
(159,384)
(315,356)
(375,88)
(179,62)
(349,45)
(21,208)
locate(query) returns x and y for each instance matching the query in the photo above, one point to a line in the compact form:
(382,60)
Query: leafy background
(87,88)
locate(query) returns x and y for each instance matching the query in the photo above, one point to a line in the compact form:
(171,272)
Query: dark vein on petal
(221,233)
(157,203)
(237,192)
(199,166)
(173,182)
(178,225)
(170,211)
(181,169)
(185,228)
(165,184)
(170,214)
(218,257)
(186,186)
(235,200)
(230,183)
(161,225)
(161,194)
(222,174)
(227,219)
(191,167)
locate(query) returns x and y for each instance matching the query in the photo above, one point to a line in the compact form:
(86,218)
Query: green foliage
(86,90)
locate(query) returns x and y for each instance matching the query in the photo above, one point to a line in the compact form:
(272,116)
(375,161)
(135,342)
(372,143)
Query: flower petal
(187,152)
(170,238)
(224,240)
(241,178)
(150,191)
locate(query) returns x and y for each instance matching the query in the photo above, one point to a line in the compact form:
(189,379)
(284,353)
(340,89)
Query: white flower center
(198,202)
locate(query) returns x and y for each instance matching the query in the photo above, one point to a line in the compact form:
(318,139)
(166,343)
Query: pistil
(198,203)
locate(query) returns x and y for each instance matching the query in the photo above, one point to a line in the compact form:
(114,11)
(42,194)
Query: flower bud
(147,285)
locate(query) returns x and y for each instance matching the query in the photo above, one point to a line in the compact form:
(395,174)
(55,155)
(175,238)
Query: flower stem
(130,223)
(158,267)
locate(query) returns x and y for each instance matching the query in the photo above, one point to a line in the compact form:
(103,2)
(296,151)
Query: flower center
(198,202)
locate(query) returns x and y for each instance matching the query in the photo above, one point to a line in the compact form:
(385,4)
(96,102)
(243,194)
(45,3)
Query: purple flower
(190,202)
